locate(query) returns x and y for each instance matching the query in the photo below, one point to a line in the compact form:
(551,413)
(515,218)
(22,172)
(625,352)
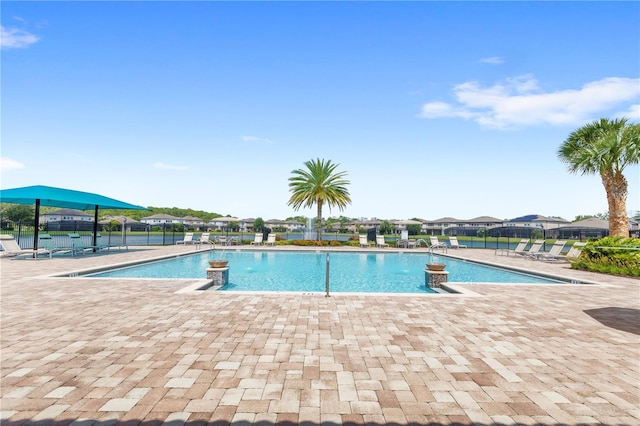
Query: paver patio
(89,351)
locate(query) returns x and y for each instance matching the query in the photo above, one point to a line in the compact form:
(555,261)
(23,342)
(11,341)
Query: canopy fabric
(59,197)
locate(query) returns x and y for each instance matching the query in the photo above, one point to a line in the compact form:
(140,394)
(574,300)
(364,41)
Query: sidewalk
(90,351)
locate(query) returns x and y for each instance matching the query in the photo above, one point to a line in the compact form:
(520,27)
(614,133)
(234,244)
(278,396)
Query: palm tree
(318,184)
(605,147)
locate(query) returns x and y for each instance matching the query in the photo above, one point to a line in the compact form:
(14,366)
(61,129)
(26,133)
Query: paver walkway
(89,351)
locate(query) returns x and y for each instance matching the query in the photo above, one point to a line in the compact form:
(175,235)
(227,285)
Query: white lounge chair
(271,240)
(188,239)
(10,247)
(205,238)
(575,251)
(436,244)
(454,244)
(534,250)
(380,241)
(364,242)
(518,250)
(555,253)
(257,240)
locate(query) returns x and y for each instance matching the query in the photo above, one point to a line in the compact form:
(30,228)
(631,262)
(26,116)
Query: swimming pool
(306,271)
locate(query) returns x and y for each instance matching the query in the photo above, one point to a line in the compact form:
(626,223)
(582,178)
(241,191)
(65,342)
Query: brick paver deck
(89,351)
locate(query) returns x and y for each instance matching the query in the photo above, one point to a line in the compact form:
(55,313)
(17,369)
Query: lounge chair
(45,241)
(188,239)
(435,244)
(271,240)
(257,240)
(575,251)
(364,242)
(79,246)
(555,253)
(380,241)
(404,239)
(101,245)
(205,238)
(534,250)
(454,244)
(518,250)
(10,247)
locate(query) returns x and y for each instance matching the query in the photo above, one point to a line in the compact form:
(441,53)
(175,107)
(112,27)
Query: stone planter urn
(218,263)
(436,266)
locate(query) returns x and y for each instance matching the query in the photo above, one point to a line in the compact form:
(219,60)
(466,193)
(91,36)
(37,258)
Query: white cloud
(494,60)
(7,164)
(163,166)
(519,101)
(256,139)
(15,38)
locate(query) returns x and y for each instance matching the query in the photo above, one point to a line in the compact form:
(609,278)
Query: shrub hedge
(611,255)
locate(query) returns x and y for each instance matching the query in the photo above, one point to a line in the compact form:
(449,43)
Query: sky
(433,109)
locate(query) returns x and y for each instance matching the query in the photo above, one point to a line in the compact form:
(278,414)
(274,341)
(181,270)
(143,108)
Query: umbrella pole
(36,225)
(95,229)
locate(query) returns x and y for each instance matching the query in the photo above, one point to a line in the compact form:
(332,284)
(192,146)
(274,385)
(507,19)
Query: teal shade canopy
(60,197)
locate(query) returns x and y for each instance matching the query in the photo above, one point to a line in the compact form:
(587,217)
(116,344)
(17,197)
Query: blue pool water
(306,271)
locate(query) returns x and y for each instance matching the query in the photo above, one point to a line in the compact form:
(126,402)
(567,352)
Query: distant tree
(318,184)
(386,227)
(605,147)
(414,229)
(258,224)
(19,212)
(583,217)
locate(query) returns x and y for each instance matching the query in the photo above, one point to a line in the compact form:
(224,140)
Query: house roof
(160,216)
(66,212)
(592,222)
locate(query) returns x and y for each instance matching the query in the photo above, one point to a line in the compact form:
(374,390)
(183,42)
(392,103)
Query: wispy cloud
(493,60)
(7,164)
(257,139)
(519,101)
(11,38)
(163,166)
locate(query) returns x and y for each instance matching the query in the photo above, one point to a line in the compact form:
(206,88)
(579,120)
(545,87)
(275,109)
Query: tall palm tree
(318,184)
(605,147)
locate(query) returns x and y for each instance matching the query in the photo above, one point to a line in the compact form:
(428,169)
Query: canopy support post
(36,225)
(95,229)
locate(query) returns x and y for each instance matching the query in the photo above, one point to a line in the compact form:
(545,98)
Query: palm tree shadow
(623,319)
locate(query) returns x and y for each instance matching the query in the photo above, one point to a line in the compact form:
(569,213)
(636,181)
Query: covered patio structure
(59,197)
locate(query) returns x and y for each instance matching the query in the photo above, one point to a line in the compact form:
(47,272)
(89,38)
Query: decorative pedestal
(434,279)
(218,276)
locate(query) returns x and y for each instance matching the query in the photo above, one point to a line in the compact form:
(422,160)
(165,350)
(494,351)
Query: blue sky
(433,109)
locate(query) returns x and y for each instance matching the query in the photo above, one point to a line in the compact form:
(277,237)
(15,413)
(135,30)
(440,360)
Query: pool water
(306,271)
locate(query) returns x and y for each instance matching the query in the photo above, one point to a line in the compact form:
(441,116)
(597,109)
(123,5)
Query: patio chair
(79,246)
(101,245)
(436,244)
(518,250)
(404,239)
(45,241)
(257,240)
(380,241)
(204,239)
(188,239)
(454,244)
(413,244)
(534,250)
(271,240)
(363,241)
(10,247)
(555,253)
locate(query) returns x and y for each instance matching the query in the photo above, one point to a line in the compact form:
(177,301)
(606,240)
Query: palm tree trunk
(615,184)
(319,221)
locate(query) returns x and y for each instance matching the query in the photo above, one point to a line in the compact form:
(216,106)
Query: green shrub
(611,255)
